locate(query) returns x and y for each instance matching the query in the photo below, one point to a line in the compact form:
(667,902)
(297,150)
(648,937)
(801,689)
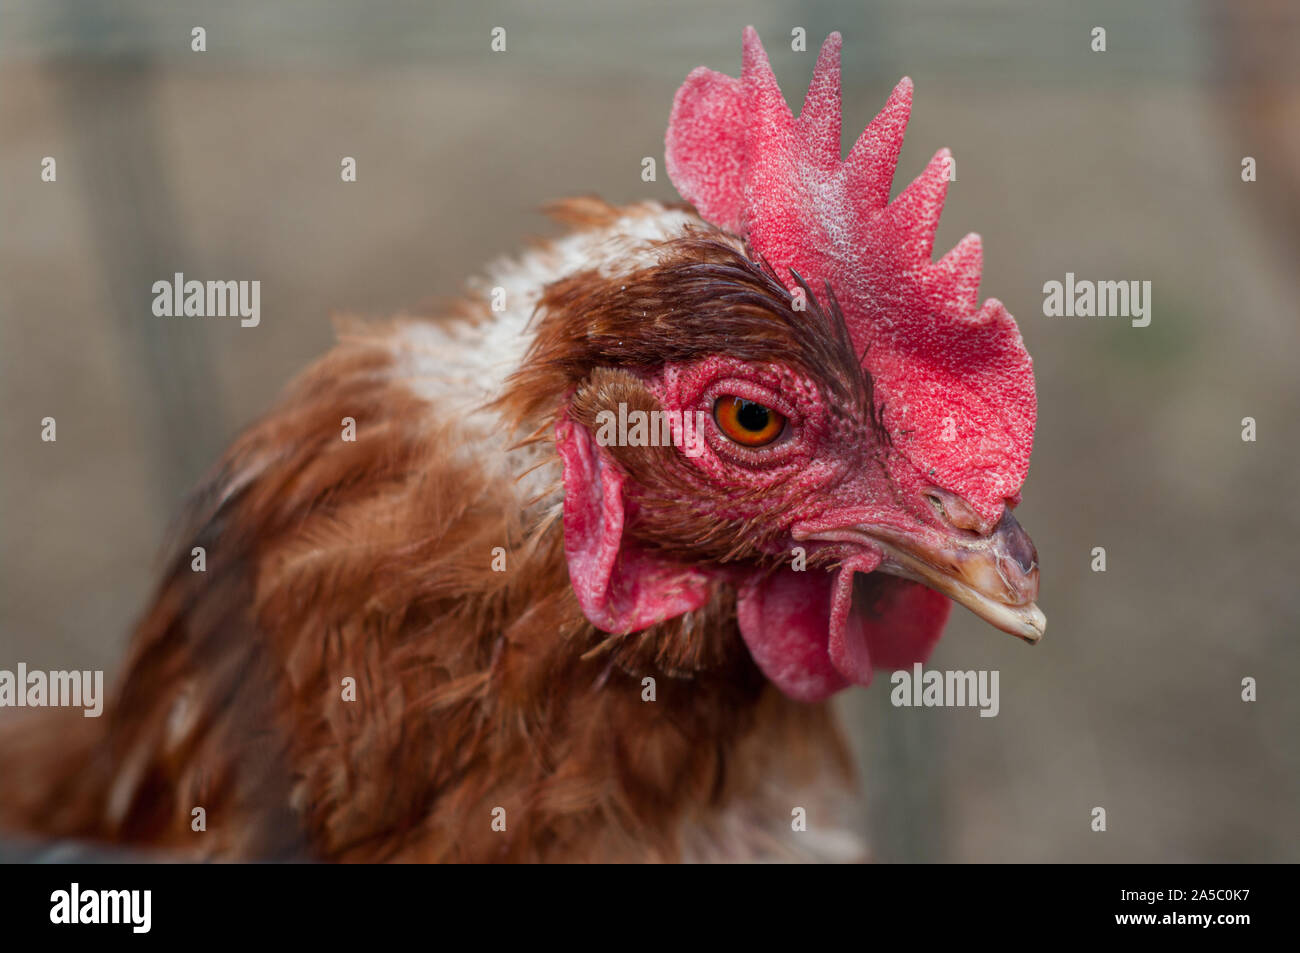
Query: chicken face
(842,553)
(866,424)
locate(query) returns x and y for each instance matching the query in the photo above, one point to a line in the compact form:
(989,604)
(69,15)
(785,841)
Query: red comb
(955,381)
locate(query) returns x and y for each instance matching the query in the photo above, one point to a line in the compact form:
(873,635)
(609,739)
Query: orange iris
(748,423)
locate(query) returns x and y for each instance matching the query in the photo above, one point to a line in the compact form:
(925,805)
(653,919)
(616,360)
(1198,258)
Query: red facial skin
(802,627)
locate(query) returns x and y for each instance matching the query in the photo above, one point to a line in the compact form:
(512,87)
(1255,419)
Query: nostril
(956,512)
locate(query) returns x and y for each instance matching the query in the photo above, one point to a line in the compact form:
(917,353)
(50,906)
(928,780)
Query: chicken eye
(747,422)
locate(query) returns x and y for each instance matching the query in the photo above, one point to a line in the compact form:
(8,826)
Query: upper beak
(995,575)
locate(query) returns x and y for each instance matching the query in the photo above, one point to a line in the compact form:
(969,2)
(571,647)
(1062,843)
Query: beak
(995,575)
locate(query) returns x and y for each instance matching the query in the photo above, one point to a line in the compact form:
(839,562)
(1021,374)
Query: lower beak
(995,576)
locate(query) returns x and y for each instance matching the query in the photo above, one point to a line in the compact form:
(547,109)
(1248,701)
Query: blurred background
(1117,165)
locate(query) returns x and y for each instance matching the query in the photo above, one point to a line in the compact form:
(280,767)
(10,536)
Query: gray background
(1122,165)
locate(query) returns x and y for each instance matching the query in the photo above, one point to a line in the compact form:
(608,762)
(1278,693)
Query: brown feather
(475,689)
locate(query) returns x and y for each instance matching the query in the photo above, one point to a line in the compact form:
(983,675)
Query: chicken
(494,627)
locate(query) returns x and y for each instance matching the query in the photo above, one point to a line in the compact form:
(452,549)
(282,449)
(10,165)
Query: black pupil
(752,416)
